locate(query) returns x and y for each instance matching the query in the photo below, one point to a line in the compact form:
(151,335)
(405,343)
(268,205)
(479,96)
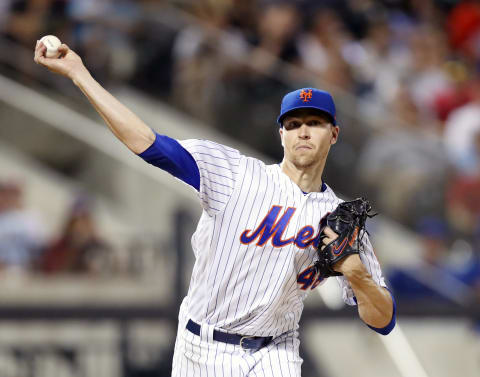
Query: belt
(246,342)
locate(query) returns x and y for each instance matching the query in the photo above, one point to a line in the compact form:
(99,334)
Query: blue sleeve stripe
(388,328)
(167,154)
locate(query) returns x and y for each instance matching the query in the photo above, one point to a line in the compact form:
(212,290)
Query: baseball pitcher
(267,236)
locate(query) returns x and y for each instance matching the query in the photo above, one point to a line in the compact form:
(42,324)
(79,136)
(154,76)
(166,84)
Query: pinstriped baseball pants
(201,356)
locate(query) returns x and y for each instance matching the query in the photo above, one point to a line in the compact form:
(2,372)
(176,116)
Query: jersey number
(308,278)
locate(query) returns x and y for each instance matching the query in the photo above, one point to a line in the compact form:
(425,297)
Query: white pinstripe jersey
(254,244)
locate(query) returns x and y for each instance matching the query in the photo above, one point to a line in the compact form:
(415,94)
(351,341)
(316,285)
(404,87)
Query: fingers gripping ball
(348,221)
(52,43)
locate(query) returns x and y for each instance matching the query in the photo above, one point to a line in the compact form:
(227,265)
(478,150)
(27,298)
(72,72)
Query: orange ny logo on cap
(306,95)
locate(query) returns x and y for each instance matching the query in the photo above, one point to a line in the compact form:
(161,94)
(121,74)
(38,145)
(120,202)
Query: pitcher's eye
(290,125)
(316,122)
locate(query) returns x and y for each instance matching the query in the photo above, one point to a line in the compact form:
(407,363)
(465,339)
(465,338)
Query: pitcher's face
(307,136)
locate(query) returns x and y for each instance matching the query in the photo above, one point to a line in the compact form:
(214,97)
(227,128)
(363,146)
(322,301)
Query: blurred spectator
(202,55)
(463,25)
(379,62)
(243,17)
(321,49)
(405,165)
(407,282)
(26,20)
(100,23)
(463,204)
(461,135)
(427,11)
(79,248)
(278,24)
(5,9)
(371,59)
(428,78)
(21,235)
(446,101)
(434,234)
(443,273)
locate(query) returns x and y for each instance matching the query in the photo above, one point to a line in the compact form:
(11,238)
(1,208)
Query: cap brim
(325,111)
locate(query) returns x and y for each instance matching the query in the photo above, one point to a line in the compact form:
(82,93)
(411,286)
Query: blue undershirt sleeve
(167,154)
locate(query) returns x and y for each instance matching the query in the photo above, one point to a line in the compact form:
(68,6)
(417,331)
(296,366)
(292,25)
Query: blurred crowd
(405,74)
(25,247)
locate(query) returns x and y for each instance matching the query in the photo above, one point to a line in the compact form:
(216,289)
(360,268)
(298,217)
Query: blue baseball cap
(307,98)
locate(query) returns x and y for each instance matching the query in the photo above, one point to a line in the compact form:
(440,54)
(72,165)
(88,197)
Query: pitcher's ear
(335,132)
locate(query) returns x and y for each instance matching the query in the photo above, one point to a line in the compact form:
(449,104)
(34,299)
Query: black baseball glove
(348,221)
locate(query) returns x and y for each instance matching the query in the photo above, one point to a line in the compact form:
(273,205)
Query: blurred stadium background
(94,244)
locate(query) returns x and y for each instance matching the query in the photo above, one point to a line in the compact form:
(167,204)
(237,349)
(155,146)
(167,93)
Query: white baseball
(52,43)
